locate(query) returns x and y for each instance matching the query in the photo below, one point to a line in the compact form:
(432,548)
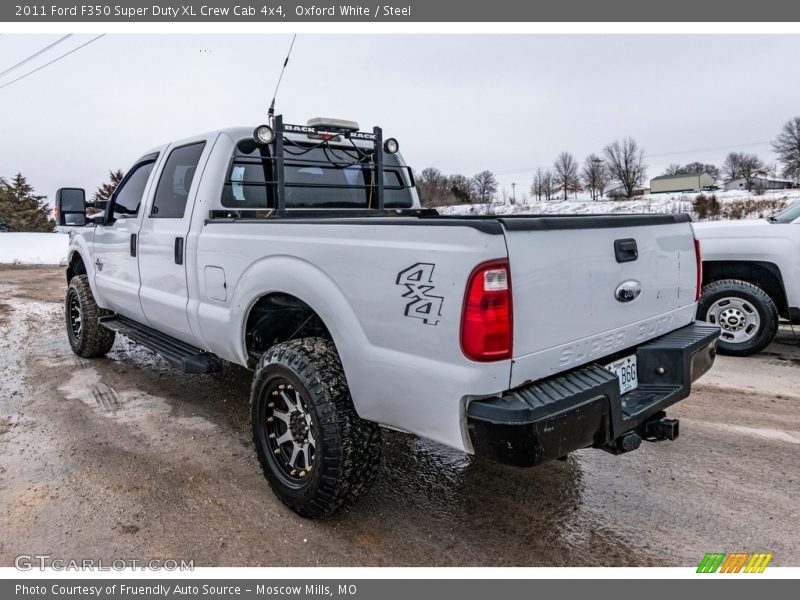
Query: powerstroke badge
(418,281)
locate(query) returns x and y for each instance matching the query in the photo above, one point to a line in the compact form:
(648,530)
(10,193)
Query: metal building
(684,182)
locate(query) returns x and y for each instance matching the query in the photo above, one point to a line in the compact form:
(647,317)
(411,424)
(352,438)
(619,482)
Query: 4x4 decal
(418,281)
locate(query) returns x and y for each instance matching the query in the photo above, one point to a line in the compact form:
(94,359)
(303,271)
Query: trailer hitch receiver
(659,427)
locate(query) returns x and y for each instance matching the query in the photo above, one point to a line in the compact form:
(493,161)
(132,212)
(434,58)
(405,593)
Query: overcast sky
(460,103)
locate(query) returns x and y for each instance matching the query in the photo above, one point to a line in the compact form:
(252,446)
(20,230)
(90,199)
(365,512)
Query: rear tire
(315,451)
(87,337)
(746,314)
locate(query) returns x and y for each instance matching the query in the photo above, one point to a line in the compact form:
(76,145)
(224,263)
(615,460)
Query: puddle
(129,406)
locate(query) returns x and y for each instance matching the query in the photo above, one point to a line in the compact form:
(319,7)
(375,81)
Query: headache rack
(341,151)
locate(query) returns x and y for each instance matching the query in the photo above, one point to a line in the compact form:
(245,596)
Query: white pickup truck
(751,278)
(300,252)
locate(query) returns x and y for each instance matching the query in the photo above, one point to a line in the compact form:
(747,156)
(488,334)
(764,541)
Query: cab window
(128,196)
(176,179)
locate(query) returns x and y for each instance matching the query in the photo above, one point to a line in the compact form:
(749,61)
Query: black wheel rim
(289,428)
(74,315)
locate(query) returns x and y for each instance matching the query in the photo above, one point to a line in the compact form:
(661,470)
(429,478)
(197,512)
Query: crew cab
(751,278)
(302,253)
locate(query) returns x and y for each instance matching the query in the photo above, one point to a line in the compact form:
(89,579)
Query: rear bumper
(583,407)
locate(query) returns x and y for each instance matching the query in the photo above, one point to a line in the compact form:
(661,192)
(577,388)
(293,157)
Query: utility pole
(513,193)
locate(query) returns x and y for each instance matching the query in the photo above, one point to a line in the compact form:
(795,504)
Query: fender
(289,275)
(310,284)
(80,245)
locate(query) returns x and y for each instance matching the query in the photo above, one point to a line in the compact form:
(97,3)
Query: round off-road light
(264,134)
(391,146)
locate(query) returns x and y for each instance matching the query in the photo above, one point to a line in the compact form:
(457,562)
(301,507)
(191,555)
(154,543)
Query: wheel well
(280,317)
(75,266)
(767,276)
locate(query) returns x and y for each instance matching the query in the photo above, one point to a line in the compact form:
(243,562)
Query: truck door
(116,269)
(163,258)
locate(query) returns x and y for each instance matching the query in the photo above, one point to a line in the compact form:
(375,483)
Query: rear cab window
(315,177)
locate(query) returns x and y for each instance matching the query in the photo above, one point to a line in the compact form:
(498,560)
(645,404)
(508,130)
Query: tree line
(617,171)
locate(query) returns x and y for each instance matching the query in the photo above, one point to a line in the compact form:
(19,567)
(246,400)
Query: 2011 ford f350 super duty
(301,253)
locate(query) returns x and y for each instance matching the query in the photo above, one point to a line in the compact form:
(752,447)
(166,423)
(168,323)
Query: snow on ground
(733,204)
(33,248)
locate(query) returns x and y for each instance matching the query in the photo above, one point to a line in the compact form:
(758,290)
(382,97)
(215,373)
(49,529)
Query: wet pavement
(124,457)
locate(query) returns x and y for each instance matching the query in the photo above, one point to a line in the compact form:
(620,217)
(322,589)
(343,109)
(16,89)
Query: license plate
(625,370)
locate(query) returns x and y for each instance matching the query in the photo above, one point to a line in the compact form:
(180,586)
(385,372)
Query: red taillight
(487,321)
(699,259)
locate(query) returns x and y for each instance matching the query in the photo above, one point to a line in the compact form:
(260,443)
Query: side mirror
(70,208)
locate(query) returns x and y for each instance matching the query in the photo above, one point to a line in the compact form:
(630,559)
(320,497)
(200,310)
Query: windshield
(315,177)
(788,215)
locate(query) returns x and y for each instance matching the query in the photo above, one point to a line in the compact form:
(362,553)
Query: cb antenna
(271,111)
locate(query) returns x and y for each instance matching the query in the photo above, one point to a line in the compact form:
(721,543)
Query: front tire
(745,313)
(87,337)
(315,451)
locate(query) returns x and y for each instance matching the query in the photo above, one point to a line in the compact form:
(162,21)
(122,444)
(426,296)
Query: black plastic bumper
(583,407)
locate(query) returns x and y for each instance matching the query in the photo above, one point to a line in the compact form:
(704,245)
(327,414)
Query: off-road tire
(347,455)
(763,303)
(92,340)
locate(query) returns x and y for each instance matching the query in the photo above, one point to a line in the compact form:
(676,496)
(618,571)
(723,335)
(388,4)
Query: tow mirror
(70,208)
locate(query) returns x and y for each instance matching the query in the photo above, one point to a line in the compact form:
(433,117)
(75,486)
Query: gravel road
(126,458)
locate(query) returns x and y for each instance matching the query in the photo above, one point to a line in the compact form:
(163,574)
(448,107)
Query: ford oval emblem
(627,291)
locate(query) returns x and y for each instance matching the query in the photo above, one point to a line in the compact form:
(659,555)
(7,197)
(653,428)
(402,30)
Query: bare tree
(752,167)
(485,184)
(745,166)
(504,195)
(594,175)
(548,186)
(692,168)
(698,167)
(565,172)
(787,147)
(731,168)
(461,187)
(431,186)
(625,162)
(537,185)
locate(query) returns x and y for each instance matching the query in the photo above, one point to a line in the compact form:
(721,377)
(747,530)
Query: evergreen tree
(21,208)
(104,192)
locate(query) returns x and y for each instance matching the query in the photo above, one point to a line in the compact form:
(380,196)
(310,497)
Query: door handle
(626,250)
(133,244)
(179,251)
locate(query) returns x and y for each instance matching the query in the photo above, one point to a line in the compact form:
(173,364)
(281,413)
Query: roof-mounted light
(391,146)
(332,125)
(264,134)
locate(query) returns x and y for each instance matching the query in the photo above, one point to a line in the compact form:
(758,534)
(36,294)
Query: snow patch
(652,203)
(33,248)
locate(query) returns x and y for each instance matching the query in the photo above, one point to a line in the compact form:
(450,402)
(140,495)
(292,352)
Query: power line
(5,85)
(32,56)
(707,149)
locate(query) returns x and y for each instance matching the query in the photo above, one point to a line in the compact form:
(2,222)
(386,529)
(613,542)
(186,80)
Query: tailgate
(572,280)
